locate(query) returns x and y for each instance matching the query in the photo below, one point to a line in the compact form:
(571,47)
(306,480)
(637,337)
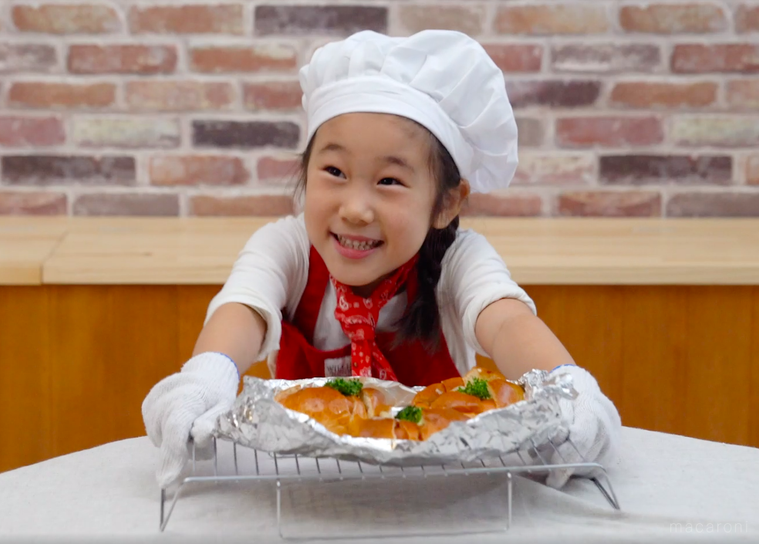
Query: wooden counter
(665,313)
(25,245)
(155,251)
(555,252)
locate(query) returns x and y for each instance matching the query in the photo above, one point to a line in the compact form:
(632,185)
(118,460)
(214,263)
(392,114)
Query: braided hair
(421,319)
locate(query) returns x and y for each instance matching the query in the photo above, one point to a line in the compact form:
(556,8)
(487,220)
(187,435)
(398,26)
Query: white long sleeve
(271,272)
(269,276)
(473,276)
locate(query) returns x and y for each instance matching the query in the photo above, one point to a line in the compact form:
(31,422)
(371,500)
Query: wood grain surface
(25,244)
(77,361)
(196,251)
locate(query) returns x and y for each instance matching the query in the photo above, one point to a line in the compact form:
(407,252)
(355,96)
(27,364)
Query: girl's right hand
(186,405)
(591,422)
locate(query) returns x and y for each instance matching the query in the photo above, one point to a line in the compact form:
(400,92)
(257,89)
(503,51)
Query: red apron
(298,359)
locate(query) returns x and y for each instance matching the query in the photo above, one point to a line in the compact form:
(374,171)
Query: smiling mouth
(364,245)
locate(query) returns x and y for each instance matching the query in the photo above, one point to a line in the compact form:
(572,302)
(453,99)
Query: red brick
(245,134)
(179,95)
(609,204)
(189,19)
(673,18)
(555,169)
(605,57)
(608,131)
(714,205)
(32,203)
(252,205)
(277,171)
(747,18)
(272,95)
(743,93)
(126,132)
(122,59)
(642,94)
(127,204)
(300,20)
(467,19)
(66,19)
(552,19)
(715,131)
(26,57)
(553,93)
(31,131)
(197,170)
(503,204)
(516,57)
(733,57)
(259,58)
(752,170)
(532,132)
(61,95)
(630,169)
(69,170)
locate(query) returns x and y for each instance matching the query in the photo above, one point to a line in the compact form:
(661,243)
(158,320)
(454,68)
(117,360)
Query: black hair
(421,320)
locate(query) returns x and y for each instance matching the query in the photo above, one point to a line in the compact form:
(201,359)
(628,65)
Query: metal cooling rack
(297,468)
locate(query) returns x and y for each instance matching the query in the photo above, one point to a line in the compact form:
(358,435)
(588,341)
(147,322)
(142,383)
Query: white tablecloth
(670,488)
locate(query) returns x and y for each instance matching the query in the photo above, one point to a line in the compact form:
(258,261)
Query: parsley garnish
(410,413)
(349,388)
(477,387)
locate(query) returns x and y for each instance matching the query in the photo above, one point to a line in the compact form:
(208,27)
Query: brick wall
(192,108)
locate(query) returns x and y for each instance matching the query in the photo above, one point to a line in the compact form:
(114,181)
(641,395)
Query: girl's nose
(357,207)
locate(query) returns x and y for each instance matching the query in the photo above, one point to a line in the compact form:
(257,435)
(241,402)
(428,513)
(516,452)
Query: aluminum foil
(258,421)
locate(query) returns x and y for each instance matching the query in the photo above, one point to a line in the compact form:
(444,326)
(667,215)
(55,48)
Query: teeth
(353,244)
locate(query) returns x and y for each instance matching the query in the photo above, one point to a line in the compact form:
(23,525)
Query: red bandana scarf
(358,318)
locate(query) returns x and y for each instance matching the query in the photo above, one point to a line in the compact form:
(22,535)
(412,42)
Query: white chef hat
(443,80)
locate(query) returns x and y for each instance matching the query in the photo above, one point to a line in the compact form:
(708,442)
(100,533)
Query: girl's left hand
(591,422)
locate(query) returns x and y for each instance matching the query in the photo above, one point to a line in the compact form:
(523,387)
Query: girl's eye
(389,181)
(333,171)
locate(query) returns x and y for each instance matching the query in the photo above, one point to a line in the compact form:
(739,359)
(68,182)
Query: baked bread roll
(462,402)
(436,419)
(428,421)
(483,374)
(407,430)
(426,396)
(379,427)
(347,407)
(451,384)
(505,392)
(337,405)
(326,405)
(478,390)
(375,402)
(384,427)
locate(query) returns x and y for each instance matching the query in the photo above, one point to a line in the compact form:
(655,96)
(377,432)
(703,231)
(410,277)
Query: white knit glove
(590,420)
(187,404)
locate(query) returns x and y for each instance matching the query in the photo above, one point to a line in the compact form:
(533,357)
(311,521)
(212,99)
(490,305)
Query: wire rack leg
(610,496)
(510,482)
(279,509)
(163,500)
(165,519)
(215,458)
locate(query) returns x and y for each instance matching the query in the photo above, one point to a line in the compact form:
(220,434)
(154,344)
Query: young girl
(375,278)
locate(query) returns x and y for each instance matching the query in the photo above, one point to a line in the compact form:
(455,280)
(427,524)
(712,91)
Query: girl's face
(369,196)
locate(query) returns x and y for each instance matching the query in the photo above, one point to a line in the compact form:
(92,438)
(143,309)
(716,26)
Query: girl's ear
(452,204)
